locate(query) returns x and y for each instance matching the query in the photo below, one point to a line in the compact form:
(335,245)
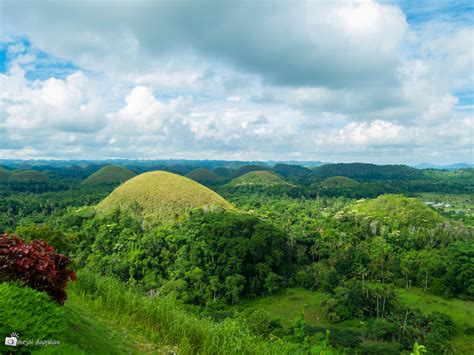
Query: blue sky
(383,82)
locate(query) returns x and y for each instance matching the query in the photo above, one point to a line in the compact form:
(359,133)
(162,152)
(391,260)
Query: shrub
(31,314)
(35,265)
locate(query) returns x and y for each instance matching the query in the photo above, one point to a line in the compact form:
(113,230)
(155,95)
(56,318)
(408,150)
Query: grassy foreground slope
(109,175)
(161,196)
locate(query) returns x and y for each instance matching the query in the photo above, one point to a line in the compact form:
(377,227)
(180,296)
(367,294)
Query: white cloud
(317,80)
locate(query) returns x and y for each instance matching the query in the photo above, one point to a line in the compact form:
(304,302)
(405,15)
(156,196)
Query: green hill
(203,176)
(259,178)
(396,210)
(28,175)
(338,182)
(223,172)
(248,168)
(160,196)
(4,174)
(364,171)
(110,174)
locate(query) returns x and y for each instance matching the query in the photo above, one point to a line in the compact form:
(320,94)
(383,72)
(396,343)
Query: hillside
(364,171)
(160,196)
(203,176)
(110,174)
(28,175)
(338,182)
(223,172)
(248,168)
(4,174)
(259,178)
(396,209)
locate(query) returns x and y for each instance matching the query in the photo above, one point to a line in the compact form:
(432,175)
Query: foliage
(362,171)
(211,257)
(30,313)
(36,265)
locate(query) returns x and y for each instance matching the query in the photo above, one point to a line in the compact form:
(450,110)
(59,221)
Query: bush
(31,314)
(35,265)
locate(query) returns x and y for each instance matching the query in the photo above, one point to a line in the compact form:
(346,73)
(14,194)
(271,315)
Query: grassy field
(458,203)
(109,174)
(462,313)
(286,304)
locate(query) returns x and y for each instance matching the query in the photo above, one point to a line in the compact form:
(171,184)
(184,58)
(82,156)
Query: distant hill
(294,172)
(28,175)
(248,168)
(443,167)
(396,210)
(110,174)
(259,178)
(160,196)
(362,171)
(203,176)
(4,174)
(224,172)
(338,182)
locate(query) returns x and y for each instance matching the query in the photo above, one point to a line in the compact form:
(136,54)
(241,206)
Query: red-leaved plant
(35,265)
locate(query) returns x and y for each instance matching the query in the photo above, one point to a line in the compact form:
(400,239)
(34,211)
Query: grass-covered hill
(258,178)
(4,174)
(396,209)
(223,172)
(338,182)
(248,168)
(110,174)
(203,176)
(295,172)
(160,196)
(28,175)
(362,171)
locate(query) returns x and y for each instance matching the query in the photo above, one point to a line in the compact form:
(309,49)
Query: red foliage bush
(35,265)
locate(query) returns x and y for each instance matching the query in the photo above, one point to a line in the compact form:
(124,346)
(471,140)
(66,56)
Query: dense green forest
(244,257)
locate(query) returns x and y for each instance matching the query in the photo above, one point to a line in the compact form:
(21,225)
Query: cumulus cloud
(352,80)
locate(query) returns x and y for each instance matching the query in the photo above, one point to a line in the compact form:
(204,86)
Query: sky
(340,81)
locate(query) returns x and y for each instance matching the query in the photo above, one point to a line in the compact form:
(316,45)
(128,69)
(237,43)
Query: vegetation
(111,174)
(160,196)
(296,262)
(247,169)
(28,175)
(258,178)
(203,176)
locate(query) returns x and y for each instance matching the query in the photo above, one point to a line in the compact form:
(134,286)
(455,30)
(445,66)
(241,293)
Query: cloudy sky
(383,82)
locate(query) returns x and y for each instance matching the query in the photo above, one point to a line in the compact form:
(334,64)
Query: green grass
(259,178)
(287,303)
(121,320)
(160,196)
(462,203)
(109,174)
(462,313)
